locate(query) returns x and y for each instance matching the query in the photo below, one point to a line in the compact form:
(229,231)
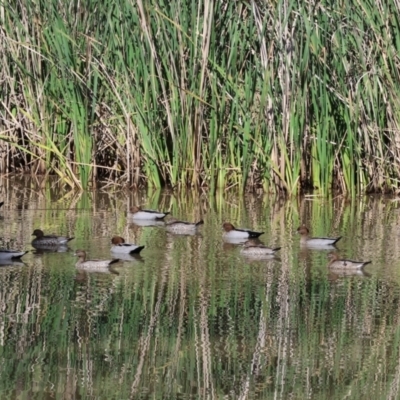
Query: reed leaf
(212,94)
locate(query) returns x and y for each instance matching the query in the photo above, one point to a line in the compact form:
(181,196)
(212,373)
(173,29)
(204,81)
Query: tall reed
(285,97)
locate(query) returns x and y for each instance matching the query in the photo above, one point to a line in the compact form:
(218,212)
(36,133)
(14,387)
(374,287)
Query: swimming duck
(93,265)
(136,213)
(337,263)
(119,246)
(315,241)
(257,249)
(235,233)
(183,227)
(48,240)
(6,254)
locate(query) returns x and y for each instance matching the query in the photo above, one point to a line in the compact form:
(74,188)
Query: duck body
(230,232)
(92,265)
(136,213)
(306,240)
(120,247)
(183,227)
(252,249)
(6,254)
(48,240)
(337,263)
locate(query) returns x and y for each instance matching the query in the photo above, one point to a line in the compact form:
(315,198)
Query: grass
(287,97)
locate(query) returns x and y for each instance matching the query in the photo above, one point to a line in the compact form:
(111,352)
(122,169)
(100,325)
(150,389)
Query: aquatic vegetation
(282,96)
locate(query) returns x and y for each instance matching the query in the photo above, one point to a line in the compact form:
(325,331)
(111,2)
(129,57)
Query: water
(191,318)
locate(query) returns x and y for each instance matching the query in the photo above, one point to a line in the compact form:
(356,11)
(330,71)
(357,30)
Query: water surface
(191,318)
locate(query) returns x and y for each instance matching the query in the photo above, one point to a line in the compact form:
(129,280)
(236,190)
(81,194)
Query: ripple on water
(191,315)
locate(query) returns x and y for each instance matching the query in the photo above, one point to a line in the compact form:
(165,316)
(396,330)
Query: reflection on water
(192,317)
(40,249)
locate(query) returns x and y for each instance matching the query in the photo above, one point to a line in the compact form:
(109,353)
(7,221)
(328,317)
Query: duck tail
(201,222)
(253,235)
(366,263)
(337,239)
(137,250)
(19,255)
(164,212)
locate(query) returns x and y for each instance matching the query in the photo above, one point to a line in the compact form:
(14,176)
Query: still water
(191,318)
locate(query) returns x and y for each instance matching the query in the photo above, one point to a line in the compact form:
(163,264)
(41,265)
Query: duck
(92,265)
(183,227)
(136,213)
(6,254)
(337,263)
(230,232)
(314,241)
(48,240)
(254,249)
(119,246)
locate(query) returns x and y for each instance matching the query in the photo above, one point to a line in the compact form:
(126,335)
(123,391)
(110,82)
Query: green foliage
(286,96)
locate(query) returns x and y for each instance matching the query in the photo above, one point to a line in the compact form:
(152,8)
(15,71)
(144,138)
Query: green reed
(286,97)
